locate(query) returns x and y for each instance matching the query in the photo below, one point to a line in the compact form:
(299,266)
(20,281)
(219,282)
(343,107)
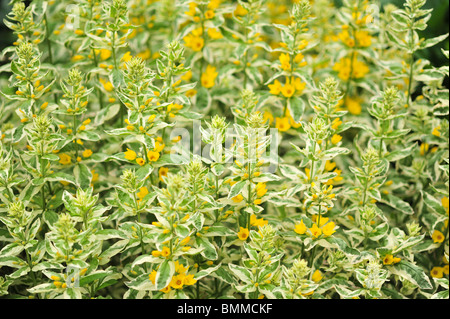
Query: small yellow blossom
(87,153)
(130,155)
(163,173)
(437,236)
(282,124)
(152,156)
(336,139)
(140,161)
(437,272)
(243,233)
(300,228)
(143,191)
(209,76)
(317,276)
(64,159)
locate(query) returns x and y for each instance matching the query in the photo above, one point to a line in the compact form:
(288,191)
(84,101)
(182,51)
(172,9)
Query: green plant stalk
(100,93)
(311,173)
(313,252)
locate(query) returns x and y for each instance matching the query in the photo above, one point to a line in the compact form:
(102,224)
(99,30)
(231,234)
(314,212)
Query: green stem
(249,190)
(100,93)
(411,69)
(311,173)
(74,134)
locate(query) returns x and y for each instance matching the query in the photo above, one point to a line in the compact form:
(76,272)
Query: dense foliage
(223,149)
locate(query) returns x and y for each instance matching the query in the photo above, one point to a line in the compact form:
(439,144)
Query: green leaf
(296,107)
(209,251)
(236,188)
(400,154)
(433,204)
(411,272)
(83,175)
(205,272)
(242,273)
(85,280)
(106,114)
(219,231)
(164,274)
(397,203)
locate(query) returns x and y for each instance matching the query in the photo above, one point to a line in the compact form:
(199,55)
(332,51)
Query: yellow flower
(214,4)
(190,93)
(261,189)
(268,117)
(243,233)
(145,55)
(344,36)
(275,88)
(315,231)
(105,54)
(196,43)
(317,276)
(285,61)
(300,228)
(94,176)
(152,156)
(64,159)
(107,85)
(209,14)
(437,236)
(353,105)
(240,11)
(165,252)
(259,222)
(424,148)
(329,165)
(209,76)
(187,76)
(292,122)
(437,272)
(143,191)
(159,146)
(445,203)
(436,131)
(323,220)
(328,229)
(336,139)
(298,84)
(192,6)
(344,67)
(238,198)
(189,280)
(152,276)
(336,123)
(282,124)
(140,161)
(388,259)
(87,153)
(177,281)
(163,173)
(126,57)
(185,241)
(214,34)
(166,289)
(298,58)
(130,155)
(77,57)
(363,38)
(288,89)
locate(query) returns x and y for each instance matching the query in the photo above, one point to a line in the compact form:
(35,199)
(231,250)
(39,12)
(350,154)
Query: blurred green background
(438,24)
